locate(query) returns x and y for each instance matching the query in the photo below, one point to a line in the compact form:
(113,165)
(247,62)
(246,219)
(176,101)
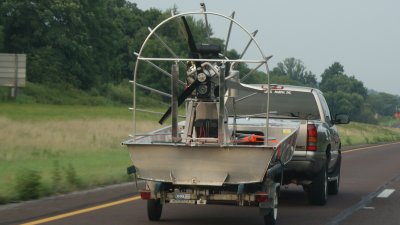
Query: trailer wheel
(154,209)
(270,218)
(318,191)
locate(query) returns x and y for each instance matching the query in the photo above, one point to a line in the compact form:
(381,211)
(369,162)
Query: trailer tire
(270,218)
(154,209)
(318,191)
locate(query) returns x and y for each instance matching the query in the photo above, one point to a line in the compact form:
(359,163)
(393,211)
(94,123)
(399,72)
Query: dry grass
(359,133)
(20,138)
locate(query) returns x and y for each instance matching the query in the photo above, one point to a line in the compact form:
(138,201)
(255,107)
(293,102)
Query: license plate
(182,201)
(182,196)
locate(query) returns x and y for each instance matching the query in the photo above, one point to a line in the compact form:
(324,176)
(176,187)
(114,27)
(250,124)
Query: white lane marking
(385,193)
(368,207)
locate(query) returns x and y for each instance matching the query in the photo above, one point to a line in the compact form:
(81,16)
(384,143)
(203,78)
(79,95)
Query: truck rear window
(283,103)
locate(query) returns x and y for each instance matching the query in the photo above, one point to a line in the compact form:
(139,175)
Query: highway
(369,194)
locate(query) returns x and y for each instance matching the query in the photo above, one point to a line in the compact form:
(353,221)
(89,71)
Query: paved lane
(384,210)
(365,173)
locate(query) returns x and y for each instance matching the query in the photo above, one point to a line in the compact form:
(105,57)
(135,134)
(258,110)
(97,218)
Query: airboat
(217,144)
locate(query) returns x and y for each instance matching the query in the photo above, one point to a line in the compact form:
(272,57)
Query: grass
(69,147)
(359,133)
(42,112)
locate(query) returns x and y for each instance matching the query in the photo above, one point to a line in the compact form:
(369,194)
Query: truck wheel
(318,194)
(270,218)
(333,186)
(154,209)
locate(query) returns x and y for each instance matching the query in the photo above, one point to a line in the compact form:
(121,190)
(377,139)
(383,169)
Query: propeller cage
(207,59)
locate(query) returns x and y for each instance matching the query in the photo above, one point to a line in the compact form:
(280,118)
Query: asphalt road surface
(369,194)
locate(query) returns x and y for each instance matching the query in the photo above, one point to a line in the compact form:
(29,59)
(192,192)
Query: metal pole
(234,120)
(221,111)
(249,73)
(248,44)
(161,69)
(268,99)
(153,90)
(134,101)
(165,45)
(174,101)
(203,9)
(16,77)
(229,33)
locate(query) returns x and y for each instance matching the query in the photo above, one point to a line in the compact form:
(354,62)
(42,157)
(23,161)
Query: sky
(364,36)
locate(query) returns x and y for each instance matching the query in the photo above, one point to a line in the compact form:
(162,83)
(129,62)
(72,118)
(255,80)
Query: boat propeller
(202,82)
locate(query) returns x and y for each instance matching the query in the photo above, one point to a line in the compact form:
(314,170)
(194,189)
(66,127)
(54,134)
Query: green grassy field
(48,149)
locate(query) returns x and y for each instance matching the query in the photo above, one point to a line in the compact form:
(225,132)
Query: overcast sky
(364,36)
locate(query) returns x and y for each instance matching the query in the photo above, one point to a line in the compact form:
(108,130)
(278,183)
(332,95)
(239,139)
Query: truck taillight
(312,137)
(261,196)
(145,195)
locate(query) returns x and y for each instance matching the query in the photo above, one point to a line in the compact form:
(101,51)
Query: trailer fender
(272,203)
(155,188)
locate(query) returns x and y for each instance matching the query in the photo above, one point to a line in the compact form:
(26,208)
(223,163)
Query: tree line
(87,44)
(344,93)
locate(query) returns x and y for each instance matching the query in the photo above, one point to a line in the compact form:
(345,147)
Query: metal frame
(204,13)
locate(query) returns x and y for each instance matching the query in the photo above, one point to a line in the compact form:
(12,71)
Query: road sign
(12,70)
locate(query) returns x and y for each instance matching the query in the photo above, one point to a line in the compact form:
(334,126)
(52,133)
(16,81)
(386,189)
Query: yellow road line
(366,148)
(61,216)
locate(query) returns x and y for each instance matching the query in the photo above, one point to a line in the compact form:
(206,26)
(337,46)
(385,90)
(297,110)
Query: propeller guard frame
(175,60)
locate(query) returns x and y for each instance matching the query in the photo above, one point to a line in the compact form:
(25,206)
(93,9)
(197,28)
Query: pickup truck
(317,158)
